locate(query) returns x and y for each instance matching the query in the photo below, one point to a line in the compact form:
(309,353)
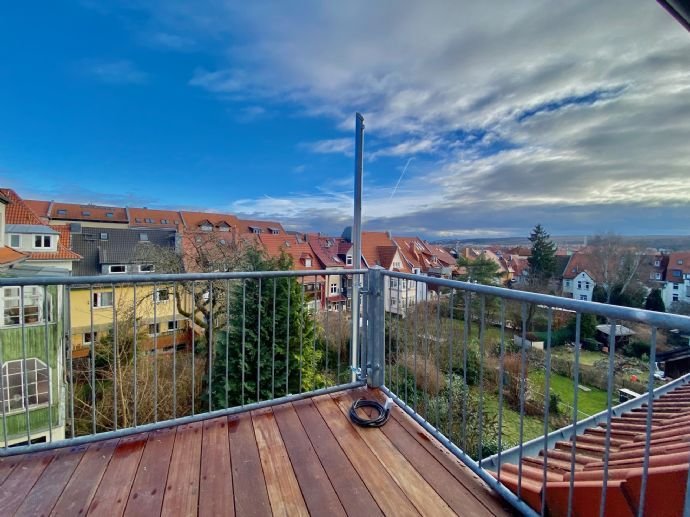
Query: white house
(677,286)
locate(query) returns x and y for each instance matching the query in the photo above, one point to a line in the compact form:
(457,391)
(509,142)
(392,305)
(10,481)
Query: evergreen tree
(481,270)
(654,301)
(542,261)
(272,339)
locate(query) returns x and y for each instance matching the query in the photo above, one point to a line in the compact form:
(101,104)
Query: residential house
(31,331)
(58,213)
(677,286)
(326,251)
(578,279)
(120,251)
(424,258)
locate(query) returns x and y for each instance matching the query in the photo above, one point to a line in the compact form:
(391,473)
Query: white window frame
(657,263)
(157,297)
(579,284)
(348,260)
(583,297)
(87,342)
(42,239)
(123,266)
(657,276)
(307,261)
(156,327)
(151,268)
(173,325)
(97,300)
(18,237)
(42,397)
(334,288)
(12,308)
(676,297)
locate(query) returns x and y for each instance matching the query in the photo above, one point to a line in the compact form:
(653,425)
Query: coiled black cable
(377,421)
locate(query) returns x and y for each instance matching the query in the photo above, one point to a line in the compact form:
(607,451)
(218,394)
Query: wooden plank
(76,497)
(7,465)
(352,492)
(458,470)
(215,490)
(47,490)
(422,495)
(249,486)
(460,499)
(113,491)
(317,489)
(390,498)
(182,489)
(22,479)
(283,490)
(148,489)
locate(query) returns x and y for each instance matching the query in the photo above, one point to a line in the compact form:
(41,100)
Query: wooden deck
(294,459)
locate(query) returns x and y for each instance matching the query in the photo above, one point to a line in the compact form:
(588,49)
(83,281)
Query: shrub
(590,344)
(554,404)
(636,349)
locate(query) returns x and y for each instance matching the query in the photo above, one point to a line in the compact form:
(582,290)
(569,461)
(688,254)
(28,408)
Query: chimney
(390,236)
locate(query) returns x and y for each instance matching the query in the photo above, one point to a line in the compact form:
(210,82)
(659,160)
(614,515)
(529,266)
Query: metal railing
(114,355)
(164,350)
(447,355)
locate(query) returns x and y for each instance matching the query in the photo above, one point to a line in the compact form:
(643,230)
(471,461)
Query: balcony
(258,422)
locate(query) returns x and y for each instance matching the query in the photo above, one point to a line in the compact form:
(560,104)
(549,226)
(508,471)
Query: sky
(482,118)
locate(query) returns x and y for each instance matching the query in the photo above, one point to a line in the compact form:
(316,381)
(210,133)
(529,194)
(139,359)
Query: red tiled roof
(87,212)
(298,250)
(246,225)
(18,212)
(673,265)
(10,256)
(193,220)
(379,249)
(327,249)
(40,208)
(668,464)
(152,218)
(579,262)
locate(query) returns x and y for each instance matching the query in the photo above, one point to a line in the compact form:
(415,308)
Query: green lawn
(589,402)
(586,356)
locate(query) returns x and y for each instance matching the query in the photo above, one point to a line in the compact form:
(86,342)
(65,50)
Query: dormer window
(43,241)
(222,227)
(274,231)
(86,213)
(307,261)
(143,237)
(255,229)
(117,269)
(206,226)
(148,220)
(146,268)
(62,211)
(164,221)
(137,220)
(348,260)
(109,214)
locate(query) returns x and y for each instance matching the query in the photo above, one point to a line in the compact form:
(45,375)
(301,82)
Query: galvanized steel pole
(357,240)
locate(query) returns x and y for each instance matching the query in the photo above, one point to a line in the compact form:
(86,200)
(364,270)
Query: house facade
(677,285)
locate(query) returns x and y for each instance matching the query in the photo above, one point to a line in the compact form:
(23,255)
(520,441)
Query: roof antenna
(401,177)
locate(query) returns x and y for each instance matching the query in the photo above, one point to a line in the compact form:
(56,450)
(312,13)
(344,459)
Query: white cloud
(332,146)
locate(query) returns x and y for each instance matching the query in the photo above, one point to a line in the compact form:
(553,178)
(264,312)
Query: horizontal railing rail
(456,357)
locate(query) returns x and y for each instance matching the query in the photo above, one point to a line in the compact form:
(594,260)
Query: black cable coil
(376,421)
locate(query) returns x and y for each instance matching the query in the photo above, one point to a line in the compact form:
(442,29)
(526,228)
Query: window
(161,295)
(90,338)
(567,283)
(275,232)
(397,264)
(25,384)
(579,284)
(657,263)
(43,241)
(348,260)
(86,214)
(394,283)
(223,228)
(587,285)
(12,310)
(334,288)
(146,268)
(148,220)
(15,240)
(677,273)
(137,220)
(104,299)
(117,268)
(173,326)
(675,297)
(657,276)
(307,261)
(154,329)
(583,297)
(675,287)
(143,237)
(164,221)
(104,236)
(680,262)
(109,214)
(62,211)
(206,227)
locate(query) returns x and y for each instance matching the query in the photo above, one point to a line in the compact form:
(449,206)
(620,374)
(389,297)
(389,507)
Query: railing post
(375,328)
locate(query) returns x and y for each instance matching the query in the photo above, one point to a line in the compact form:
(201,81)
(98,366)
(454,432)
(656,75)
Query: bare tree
(614,263)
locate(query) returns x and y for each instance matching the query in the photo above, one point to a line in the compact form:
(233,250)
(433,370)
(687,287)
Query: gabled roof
(326,249)
(40,208)
(248,225)
(120,247)
(153,218)
(59,211)
(378,249)
(9,256)
(193,220)
(299,250)
(673,265)
(18,212)
(579,262)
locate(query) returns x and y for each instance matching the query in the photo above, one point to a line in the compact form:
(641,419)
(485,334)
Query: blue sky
(576,118)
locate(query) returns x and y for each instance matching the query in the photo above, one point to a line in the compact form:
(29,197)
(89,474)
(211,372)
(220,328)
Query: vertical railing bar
(93,366)
(576,389)
(68,290)
(388,360)
(417,311)
(438,347)
(2,390)
(325,304)
(25,381)
(313,357)
(547,404)
(46,315)
(465,344)
(482,331)
(244,333)
(114,360)
(406,333)
(340,326)
(273,343)
(227,341)
(287,341)
(135,351)
(523,382)
(648,422)
(258,345)
(193,311)
(426,350)
(607,442)
(397,334)
(210,346)
(155,352)
(501,357)
(301,337)
(451,309)
(174,314)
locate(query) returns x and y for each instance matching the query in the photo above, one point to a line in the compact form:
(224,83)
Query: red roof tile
(153,218)
(300,251)
(10,256)
(87,212)
(673,265)
(248,225)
